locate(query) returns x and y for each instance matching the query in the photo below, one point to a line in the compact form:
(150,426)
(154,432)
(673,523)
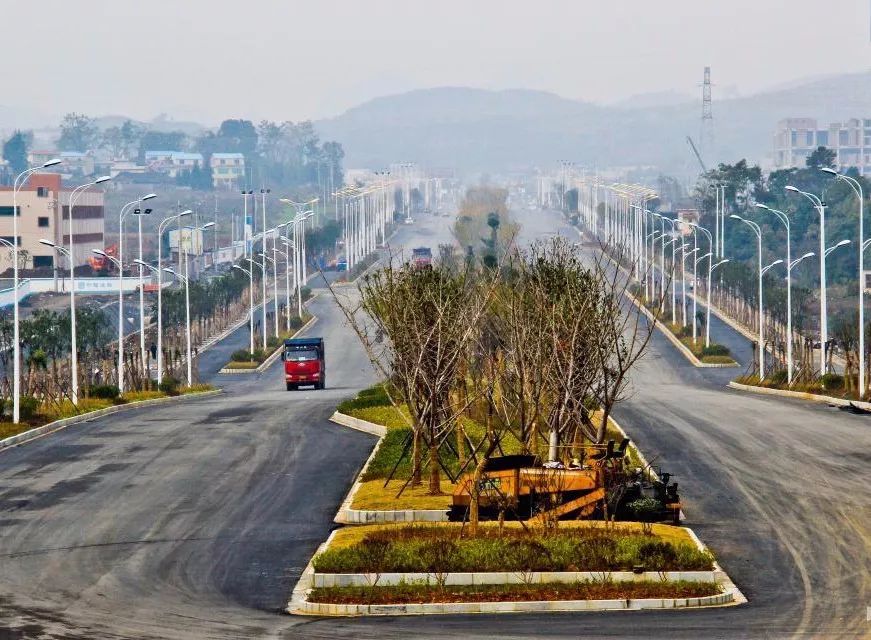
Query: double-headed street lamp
(125,211)
(857,189)
(262,266)
(159,271)
(187,315)
(70,253)
(250,275)
(762,271)
(274,285)
(18,183)
(820,206)
(789,264)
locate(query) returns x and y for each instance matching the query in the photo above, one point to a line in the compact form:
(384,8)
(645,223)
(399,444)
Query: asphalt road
(194,520)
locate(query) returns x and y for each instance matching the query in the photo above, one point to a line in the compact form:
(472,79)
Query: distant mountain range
(481,130)
(475,129)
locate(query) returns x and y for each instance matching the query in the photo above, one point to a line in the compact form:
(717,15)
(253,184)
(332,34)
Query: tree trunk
(435,487)
(415,459)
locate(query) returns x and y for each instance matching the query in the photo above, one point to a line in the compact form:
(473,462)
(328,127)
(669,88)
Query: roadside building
(43,210)
(172,163)
(228,170)
(796,138)
(77,163)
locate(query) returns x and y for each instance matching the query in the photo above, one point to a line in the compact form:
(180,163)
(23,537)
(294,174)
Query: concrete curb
(800,395)
(347,515)
(507,577)
(360,425)
(540,606)
(263,366)
(57,425)
(689,355)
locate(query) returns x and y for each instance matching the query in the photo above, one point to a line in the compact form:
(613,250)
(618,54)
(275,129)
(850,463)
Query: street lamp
(286,254)
(857,189)
(74,360)
(250,304)
(711,268)
(758,231)
(18,183)
(262,266)
(710,255)
(820,206)
(187,313)
(159,270)
(274,286)
(789,340)
(125,211)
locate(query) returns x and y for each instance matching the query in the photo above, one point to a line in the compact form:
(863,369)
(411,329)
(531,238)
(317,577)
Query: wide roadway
(194,520)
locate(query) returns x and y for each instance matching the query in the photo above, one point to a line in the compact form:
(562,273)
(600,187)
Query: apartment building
(796,138)
(172,163)
(43,212)
(228,170)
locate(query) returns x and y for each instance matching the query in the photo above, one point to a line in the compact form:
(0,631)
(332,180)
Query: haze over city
(303,60)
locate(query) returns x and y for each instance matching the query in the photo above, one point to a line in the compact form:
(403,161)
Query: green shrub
(273,342)
(169,385)
(778,378)
(832,381)
(242,355)
(645,509)
(296,323)
(306,293)
(27,407)
(104,391)
(715,350)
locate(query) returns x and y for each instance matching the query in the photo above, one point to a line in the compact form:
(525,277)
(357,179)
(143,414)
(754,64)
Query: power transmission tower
(706,139)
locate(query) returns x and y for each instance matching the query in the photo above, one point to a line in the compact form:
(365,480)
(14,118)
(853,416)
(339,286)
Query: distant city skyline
(204,61)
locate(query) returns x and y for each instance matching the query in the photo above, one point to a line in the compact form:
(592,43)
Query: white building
(228,170)
(796,138)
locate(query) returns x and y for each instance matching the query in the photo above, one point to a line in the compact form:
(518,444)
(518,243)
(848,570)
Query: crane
(698,155)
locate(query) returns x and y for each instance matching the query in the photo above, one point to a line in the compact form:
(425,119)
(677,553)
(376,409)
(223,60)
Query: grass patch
(350,536)
(587,590)
(238,364)
(374,496)
(428,549)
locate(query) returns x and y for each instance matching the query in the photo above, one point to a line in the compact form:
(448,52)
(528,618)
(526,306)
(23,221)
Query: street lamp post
(74,359)
(820,206)
(160,227)
(710,255)
(250,275)
(125,211)
(789,338)
(857,189)
(17,184)
(187,315)
(274,285)
(762,270)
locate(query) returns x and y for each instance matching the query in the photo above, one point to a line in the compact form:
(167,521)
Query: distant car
(409,221)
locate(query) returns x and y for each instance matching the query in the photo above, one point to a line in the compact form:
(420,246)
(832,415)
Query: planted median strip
(443,568)
(243,360)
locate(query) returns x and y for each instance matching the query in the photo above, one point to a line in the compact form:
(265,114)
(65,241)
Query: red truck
(421,257)
(304,363)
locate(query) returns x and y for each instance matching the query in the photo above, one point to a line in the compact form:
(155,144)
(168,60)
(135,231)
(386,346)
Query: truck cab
(304,363)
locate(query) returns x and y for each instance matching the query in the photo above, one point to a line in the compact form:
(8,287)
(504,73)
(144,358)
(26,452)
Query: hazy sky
(293,59)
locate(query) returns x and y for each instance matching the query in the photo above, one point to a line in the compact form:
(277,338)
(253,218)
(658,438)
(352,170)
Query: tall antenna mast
(706,139)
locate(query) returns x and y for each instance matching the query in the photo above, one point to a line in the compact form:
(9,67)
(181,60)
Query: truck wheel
(290,386)
(321,384)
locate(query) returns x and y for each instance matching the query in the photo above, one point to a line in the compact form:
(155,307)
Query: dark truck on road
(304,362)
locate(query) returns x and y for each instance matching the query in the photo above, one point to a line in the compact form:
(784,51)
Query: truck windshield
(299,356)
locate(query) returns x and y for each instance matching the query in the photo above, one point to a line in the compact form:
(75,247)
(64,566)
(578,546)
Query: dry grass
(373,496)
(236,364)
